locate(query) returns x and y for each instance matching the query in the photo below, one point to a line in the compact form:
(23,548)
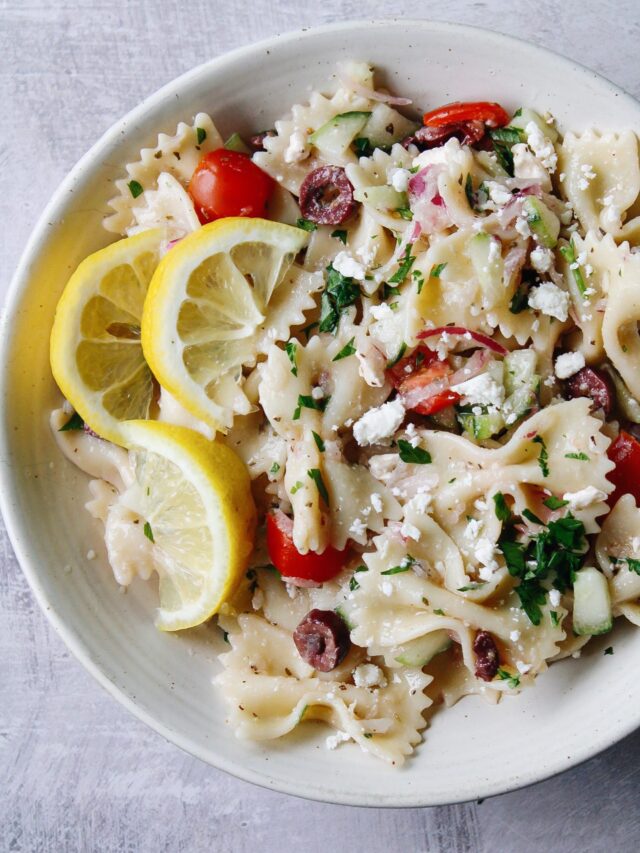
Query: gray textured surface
(77,772)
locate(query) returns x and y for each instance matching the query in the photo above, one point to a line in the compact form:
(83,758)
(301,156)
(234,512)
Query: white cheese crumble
(369,675)
(358,527)
(317,393)
(522,667)
(410,531)
(376,502)
(298,148)
(526,165)
(498,193)
(334,741)
(387,588)
(554,597)
(482,390)
(514,636)
(400,180)
(348,266)
(568,363)
(584,498)
(541,259)
(550,300)
(611,216)
(379,423)
(541,146)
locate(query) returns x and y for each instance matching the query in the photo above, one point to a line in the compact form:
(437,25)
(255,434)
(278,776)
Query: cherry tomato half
(430,370)
(290,562)
(491,114)
(421,357)
(625,452)
(227,183)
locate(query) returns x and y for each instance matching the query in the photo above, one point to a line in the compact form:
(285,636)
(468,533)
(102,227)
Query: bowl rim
(14,520)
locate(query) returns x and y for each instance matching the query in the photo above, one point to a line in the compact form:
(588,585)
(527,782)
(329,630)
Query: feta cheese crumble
(550,300)
(400,180)
(298,148)
(541,146)
(541,259)
(368,675)
(348,266)
(554,597)
(482,390)
(584,498)
(334,741)
(379,423)
(568,363)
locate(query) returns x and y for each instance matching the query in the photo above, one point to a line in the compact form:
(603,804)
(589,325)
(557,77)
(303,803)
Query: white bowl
(474,750)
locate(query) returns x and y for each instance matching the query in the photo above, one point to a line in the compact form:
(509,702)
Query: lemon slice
(194,498)
(96,354)
(206,304)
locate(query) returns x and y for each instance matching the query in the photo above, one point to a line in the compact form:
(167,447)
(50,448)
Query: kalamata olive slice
(257,142)
(326,196)
(467,132)
(487,657)
(322,639)
(595,384)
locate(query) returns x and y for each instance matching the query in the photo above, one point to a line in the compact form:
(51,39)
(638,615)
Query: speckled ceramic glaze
(473,750)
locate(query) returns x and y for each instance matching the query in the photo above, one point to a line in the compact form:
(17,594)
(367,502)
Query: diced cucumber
(420,651)
(544,224)
(483,425)
(526,116)
(591,603)
(521,383)
(490,164)
(382,197)
(337,134)
(386,126)
(485,252)
(236,143)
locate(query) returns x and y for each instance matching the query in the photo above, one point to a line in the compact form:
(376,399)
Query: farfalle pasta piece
(621,316)
(168,206)
(177,155)
(617,543)
(269,690)
(369,175)
(601,178)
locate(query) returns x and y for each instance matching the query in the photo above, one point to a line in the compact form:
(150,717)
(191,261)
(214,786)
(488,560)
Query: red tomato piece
(625,452)
(290,562)
(491,114)
(421,357)
(227,183)
(421,379)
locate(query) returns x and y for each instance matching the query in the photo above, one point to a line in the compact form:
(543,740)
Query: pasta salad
(363,391)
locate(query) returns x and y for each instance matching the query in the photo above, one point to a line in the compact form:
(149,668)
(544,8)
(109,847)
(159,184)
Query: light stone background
(77,772)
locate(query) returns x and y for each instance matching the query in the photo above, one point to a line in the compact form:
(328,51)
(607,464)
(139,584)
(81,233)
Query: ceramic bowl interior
(473,750)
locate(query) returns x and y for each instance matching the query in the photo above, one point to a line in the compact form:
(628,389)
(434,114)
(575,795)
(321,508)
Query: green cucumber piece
(382,198)
(236,143)
(526,116)
(481,426)
(337,134)
(543,223)
(592,612)
(386,126)
(490,164)
(521,383)
(420,651)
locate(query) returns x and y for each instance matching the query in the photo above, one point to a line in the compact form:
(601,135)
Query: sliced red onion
(425,201)
(416,396)
(513,262)
(474,366)
(478,337)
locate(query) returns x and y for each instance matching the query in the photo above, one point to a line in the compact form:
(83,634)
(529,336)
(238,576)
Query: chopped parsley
(439,612)
(319,442)
(503,138)
(404,268)
(296,487)
(291,348)
(608,650)
(409,453)
(530,516)
(471,586)
(555,621)
(401,352)
(148,532)
(274,468)
(135,188)
(543,458)
(568,252)
(404,566)
(634,565)
(316,475)
(201,135)
(519,300)
(308,329)
(363,147)
(419,279)
(436,270)
(405,213)
(552,502)
(75,422)
(513,680)
(468,191)
(306,224)
(503,513)
(306,401)
(353,583)
(389,290)
(580,456)
(347,350)
(340,293)
(340,234)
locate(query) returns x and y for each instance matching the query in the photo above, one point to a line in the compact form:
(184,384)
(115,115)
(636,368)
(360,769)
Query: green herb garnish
(503,513)
(543,458)
(471,586)
(306,224)
(552,502)
(530,516)
(306,401)
(339,294)
(405,213)
(436,270)
(148,532)
(135,188)
(75,422)
(409,453)
(319,442)
(316,476)
(353,583)
(569,254)
(296,487)
(340,234)
(347,350)
(513,680)
(608,650)
(201,135)
(404,268)
(581,456)
(401,352)
(291,348)
(274,468)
